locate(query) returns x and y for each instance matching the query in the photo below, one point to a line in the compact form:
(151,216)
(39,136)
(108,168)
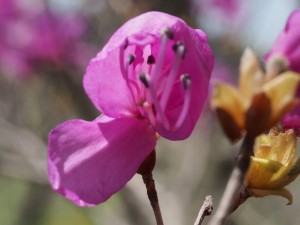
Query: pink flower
(35,36)
(152,76)
(287,44)
(292,119)
(228,9)
(57,45)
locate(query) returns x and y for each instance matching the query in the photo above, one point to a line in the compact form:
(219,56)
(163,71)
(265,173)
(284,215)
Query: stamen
(131,73)
(131,58)
(121,62)
(165,35)
(178,45)
(151,60)
(168,32)
(145,79)
(170,82)
(149,112)
(186,83)
(124,70)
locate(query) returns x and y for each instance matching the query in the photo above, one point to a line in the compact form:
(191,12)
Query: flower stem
(152,196)
(205,210)
(234,183)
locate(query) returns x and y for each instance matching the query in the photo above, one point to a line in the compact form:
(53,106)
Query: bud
(273,165)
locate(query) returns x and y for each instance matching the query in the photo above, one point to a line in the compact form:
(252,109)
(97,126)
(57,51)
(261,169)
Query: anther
(186,81)
(144,78)
(178,47)
(167,31)
(151,60)
(131,58)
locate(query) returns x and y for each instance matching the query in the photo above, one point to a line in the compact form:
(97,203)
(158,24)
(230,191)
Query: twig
(152,195)
(205,210)
(234,183)
(239,198)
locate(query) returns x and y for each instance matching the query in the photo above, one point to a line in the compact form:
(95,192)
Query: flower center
(158,79)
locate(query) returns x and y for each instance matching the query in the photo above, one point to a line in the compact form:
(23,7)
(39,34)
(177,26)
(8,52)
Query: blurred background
(45,46)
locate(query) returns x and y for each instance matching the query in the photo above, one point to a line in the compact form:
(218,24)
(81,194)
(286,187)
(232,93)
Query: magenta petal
(292,119)
(198,63)
(107,88)
(118,92)
(103,81)
(288,42)
(90,161)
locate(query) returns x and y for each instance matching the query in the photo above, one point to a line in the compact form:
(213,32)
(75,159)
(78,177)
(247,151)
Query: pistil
(145,79)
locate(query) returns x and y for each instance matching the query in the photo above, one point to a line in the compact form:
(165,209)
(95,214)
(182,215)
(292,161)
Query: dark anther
(131,58)
(168,32)
(186,81)
(144,79)
(151,60)
(178,45)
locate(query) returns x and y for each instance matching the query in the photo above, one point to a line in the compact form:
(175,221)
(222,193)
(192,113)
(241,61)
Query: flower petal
(90,161)
(268,165)
(294,169)
(103,80)
(251,75)
(283,192)
(230,110)
(292,119)
(281,91)
(106,87)
(117,91)
(258,176)
(227,98)
(198,64)
(287,43)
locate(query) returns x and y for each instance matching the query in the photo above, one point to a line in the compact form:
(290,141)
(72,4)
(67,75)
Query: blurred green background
(37,92)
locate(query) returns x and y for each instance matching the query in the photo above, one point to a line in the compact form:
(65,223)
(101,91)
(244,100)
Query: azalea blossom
(274,165)
(292,119)
(151,77)
(35,36)
(229,9)
(286,54)
(287,45)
